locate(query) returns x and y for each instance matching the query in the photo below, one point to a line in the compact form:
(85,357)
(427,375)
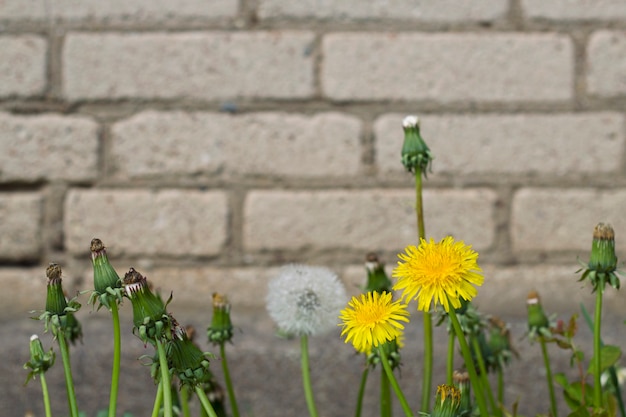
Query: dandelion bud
(221,328)
(602,265)
(55,301)
(415,153)
(190,364)
(40,361)
(107,284)
(377,279)
(447,401)
(538,322)
(462,381)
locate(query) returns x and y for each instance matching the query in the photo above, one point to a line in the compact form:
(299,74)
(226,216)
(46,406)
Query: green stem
(359,400)
(450,358)
(306,375)
(394,382)
(69,381)
(46,395)
(597,345)
(546,361)
(117,349)
(228,381)
(184,401)
(483,375)
(165,379)
(427,320)
(206,404)
(501,387)
(158,400)
(385,395)
(469,363)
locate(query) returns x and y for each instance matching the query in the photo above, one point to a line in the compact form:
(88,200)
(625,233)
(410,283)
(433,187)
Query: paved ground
(265,370)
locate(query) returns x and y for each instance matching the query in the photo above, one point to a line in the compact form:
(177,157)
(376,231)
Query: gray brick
(116,11)
(439,11)
(22,65)
(552,219)
(139,222)
(447,67)
(208,65)
(364,220)
(21,215)
(278,144)
(606,65)
(575,9)
(47,147)
(28,291)
(558,144)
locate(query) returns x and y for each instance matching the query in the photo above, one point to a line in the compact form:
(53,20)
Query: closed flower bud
(40,361)
(602,265)
(377,279)
(462,381)
(538,322)
(447,401)
(190,364)
(55,300)
(416,155)
(221,328)
(107,283)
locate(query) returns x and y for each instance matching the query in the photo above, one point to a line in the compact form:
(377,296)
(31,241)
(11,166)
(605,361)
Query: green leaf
(580,412)
(609,355)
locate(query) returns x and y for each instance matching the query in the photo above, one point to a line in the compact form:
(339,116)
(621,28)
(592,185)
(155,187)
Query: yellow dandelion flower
(372,320)
(443,272)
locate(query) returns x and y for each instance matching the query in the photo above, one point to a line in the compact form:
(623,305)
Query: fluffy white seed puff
(305,300)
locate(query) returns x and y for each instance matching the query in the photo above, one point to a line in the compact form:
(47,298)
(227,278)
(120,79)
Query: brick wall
(224,138)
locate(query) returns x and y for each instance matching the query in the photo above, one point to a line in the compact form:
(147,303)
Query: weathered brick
(153,143)
(574,9)
(559,144)
(366,220)
(116,11)
(47,147)
(447,67)
(22,65)
(20,228)
(552,219)
(208,65)
(28,291)
(439,11)
(140,222)
(605,63)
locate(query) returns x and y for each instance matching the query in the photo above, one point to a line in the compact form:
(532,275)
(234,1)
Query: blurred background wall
(208,142)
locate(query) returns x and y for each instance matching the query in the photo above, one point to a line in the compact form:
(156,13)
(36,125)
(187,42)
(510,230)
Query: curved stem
(69,380)
(483,375)
(229,385)
(546,361)
(450,358)
(165,379)
(597,346)
(385,395)
(306,375)
(394,382)
(359,400)
(206,404)
(469,363)
(117,349)
(46,395)
(157,400)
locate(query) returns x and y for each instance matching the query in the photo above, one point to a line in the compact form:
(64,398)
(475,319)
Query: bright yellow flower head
(372,320)
(443,271)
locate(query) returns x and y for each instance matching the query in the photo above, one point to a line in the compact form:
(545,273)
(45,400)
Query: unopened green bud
(377,279)
(189,362)
(462,381)
(416,155)
(55,300)
(221,328)
(40,361)
(447,401)
(538,322)
(107,283)
(72,328)
(602,266)
(392,352)
(500,347)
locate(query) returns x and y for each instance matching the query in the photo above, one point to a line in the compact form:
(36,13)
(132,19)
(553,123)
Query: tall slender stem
(117,350)
(306,375)
(184,401)
(165,379)
(469,363)
(229,384)
(46,395)
(394,382)
(158,400)
(385,395)
(450,358)
(546,361)
(483,375)
(359,400)
(501,386)
(206,404)
(67,368)
(597,346)
(427,320)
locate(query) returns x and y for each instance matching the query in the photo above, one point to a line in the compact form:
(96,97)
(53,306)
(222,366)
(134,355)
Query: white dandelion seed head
(305,300)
